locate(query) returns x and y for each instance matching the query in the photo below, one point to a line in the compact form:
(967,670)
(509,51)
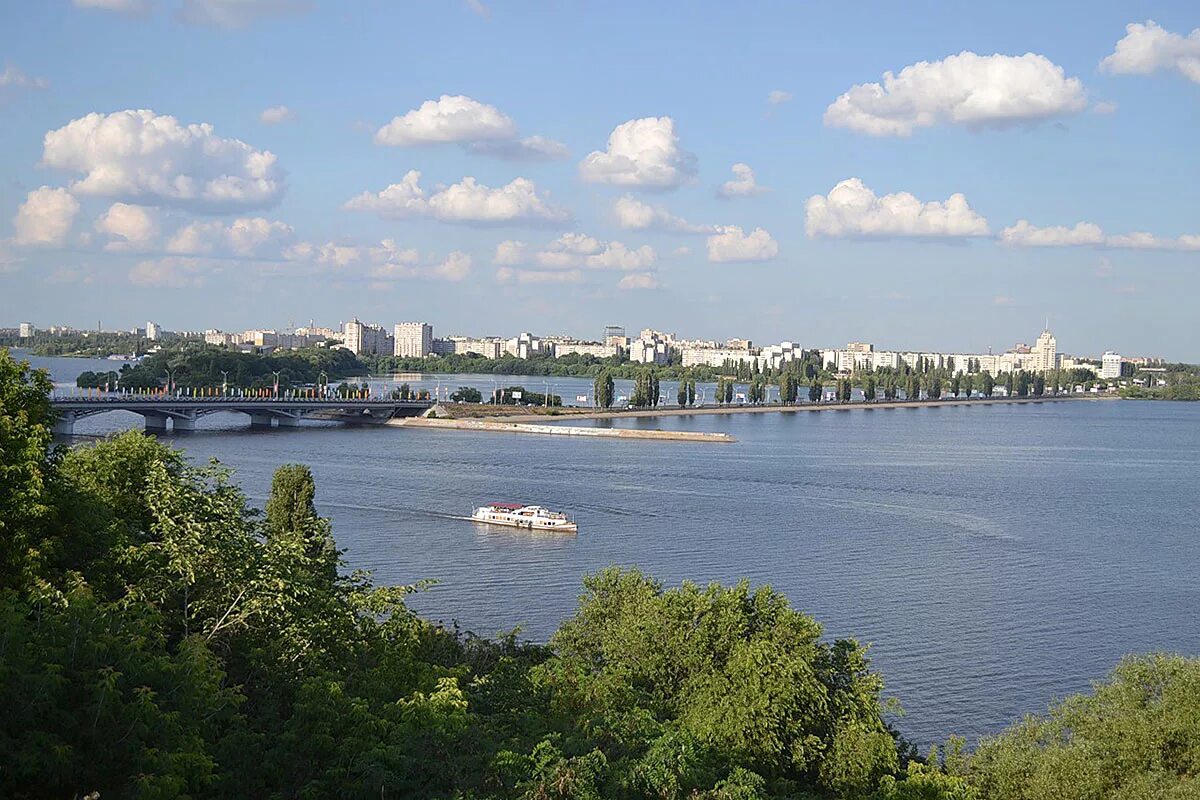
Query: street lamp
(276,389)
(168,382)
(224,382)
(323,379)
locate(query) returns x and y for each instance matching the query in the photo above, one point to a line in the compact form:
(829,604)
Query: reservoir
(995,557)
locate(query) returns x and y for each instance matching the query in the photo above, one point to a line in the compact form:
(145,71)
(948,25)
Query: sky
(925,175)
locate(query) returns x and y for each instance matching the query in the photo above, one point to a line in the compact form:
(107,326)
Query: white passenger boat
(516,515)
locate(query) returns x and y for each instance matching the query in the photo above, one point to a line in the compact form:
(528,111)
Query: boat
(517,515)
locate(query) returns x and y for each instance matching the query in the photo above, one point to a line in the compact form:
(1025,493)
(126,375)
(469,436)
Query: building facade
(412,339)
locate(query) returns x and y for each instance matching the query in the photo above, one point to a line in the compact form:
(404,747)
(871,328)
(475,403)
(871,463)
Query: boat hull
(569,527)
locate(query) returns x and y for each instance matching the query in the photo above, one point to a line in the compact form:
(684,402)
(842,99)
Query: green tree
(467,394)
(869,389)
(814,390)
(603,390)
(691,395)
(988,385)
(934,384)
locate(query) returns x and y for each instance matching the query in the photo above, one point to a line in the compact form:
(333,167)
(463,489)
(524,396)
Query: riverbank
(514,415)
(507,426)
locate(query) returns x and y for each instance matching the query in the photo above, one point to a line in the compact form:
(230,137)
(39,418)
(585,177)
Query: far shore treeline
(162,638)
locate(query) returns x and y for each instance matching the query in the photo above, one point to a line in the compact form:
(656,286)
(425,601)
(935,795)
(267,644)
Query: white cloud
(45,218)
(632,214)
(731,243)
(1025,235)
(132,7)
(743,183)
(276,115)
(1148,47)
(965,89)
(246,237)
(510,275)
(643,153)
(237,13)
(454,268)
(779,97)
(617,256)
(639,280)
(129,227)
(1087,234)
(331,254)
(13,77)
(450,118)
(479,9)
(574,250)
(141,155)
(852,209)
(531,148)
(467,202)
(171,273)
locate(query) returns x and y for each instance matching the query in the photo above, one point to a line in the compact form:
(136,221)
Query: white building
(596,349)
(488,347)
(1045,353)
(775,356)
(714,356)
(526,345)
(651,347)
(412,339)
(153,333)
(26,330)
(363,338)
(1110,365)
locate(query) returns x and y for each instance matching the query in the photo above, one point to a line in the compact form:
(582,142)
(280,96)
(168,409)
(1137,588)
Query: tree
(913,390)
(691,392)
(814,390)
(869,389)
(681,397)
(989,384)
(467,394)
(934,384)
(603,390)
(292,517)
(1039,385)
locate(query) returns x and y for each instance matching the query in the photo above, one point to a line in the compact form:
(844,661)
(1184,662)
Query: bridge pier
(287,421)
(260,419)
(155,423)
(184,422)
(64,423)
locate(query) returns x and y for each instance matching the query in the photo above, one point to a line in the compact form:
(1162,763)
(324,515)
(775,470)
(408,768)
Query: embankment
(508,426)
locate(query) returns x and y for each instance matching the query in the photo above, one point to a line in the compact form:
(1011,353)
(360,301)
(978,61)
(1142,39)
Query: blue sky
(153,217)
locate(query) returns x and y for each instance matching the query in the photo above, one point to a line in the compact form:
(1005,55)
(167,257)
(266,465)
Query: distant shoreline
(568,415)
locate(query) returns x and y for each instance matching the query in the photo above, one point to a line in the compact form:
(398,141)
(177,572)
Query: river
(995,557)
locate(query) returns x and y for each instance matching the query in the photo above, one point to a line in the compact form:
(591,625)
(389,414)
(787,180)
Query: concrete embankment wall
(560,430)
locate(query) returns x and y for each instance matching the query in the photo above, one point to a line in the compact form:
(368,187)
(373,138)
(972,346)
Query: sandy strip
(558,430)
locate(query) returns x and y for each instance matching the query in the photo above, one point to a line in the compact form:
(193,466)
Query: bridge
(182,412)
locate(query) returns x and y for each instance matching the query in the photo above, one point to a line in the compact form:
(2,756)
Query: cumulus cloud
(482,128)
(531,148)
(852,209)
(45,218)
(731,243)
(632,214)
(639,280)
(131,7)
(128,227)
(778,97)
(276,115)
(246,237)
(171,272)
(141,155)
(965,89)
(574,250)
(510,275)
(237,13)
(642,153)
(13,78)
(454,268)
(1148,47)
(1087,234)
(450,118)
(743,183)
(467,202)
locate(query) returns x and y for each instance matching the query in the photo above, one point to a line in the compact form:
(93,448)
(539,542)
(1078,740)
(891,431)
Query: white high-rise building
(1044,352)
(412,339)
(152,331)
(26,330)
(362,338)
(1110,365)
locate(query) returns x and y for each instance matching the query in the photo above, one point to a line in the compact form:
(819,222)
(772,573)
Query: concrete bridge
(182,412)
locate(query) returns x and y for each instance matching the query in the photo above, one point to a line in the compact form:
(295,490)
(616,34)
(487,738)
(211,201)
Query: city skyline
(935,187)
